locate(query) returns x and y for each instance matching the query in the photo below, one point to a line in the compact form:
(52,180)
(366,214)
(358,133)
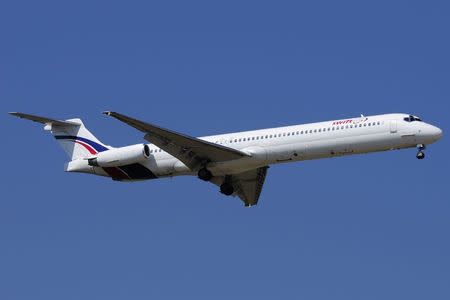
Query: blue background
(363,227)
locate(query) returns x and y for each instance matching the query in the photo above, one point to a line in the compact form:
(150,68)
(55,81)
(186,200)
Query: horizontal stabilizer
(44,120)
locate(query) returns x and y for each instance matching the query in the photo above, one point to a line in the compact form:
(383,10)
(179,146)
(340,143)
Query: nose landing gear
(420,153)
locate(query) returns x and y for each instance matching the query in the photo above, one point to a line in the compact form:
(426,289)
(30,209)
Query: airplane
(236,162)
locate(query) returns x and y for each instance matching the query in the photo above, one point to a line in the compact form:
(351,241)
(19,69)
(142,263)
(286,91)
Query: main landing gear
(227,188)
(204,174)
(420,152)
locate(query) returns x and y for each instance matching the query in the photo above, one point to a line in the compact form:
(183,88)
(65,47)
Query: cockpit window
(412,118)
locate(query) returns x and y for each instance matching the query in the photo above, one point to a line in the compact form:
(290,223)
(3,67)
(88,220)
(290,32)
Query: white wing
(190,150)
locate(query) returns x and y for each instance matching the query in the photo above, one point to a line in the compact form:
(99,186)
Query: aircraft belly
(237,166)
(161,167)
(286,152)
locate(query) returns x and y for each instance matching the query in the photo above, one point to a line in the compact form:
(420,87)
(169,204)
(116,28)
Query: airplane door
(393,126)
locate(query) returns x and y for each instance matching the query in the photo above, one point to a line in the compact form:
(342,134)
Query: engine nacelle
(120,156)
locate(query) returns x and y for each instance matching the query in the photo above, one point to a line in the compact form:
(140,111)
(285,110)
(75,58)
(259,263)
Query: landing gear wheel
(205,174)
(420,155)
(226,189)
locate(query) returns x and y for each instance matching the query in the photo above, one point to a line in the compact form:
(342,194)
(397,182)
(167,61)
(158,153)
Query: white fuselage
(302,142)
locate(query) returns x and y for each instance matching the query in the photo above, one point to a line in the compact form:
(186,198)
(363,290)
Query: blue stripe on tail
(96,146)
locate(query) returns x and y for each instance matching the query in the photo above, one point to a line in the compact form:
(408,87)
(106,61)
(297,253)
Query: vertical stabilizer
(77,141)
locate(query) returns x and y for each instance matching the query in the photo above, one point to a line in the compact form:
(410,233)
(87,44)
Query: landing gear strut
(420,153)
(205,174)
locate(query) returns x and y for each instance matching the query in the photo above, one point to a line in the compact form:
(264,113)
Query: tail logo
(89,145)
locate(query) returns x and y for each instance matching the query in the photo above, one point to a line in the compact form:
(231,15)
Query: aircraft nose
(435,132)
(438,133)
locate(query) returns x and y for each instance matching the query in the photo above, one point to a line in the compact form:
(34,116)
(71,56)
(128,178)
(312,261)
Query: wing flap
(248,185)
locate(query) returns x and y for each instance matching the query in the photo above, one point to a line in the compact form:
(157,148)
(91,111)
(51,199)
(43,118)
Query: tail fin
(76,140)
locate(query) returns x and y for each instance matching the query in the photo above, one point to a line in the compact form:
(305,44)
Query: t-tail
(76,140)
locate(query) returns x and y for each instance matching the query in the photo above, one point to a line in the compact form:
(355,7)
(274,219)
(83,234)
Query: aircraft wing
(248,185)
(190,150)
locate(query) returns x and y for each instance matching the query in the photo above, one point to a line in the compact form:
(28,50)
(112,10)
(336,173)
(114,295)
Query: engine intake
(121,156)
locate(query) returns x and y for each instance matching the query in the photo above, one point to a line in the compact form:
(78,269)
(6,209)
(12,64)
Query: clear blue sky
(364,227)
